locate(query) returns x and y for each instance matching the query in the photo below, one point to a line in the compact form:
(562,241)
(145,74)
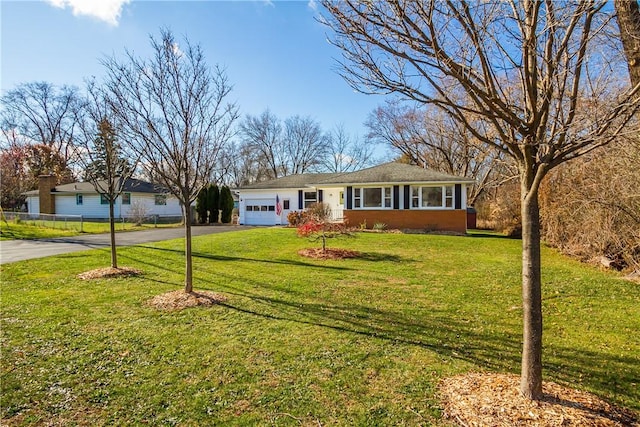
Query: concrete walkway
(20,250)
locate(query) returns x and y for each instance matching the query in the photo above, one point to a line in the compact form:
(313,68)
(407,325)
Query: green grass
(11,230)
(299,341)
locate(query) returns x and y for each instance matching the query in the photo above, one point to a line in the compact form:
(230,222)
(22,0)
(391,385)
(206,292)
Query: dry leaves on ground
(329,253)
(178,300)
(482,399)
(109,272)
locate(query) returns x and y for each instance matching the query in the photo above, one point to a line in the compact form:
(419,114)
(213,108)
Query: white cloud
(313,4)
(105,10)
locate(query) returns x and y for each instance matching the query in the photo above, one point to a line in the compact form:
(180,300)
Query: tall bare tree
(430,138)
(263,135)
(305,143)
(532,70)
(297,146)
(107,165)
(628,14)
(346,153)
(42,113)
(174,113)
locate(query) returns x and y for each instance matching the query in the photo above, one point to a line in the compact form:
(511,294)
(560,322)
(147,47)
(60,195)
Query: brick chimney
(47,184)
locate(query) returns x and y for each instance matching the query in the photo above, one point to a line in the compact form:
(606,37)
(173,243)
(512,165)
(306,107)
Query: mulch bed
(109,272)
(329,253)
(178,300)
(481,399)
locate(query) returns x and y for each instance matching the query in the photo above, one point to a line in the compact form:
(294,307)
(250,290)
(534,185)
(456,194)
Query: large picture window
(432,197)
(372,197)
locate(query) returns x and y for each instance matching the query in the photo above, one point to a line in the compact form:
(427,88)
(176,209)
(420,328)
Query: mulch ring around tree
(178,300)
(487,399)
(109,272)
(329,253)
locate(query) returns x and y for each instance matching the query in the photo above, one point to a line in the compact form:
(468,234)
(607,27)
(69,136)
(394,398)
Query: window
(285,204)
(160,199)
(249,208)
(263,208)
(79,199)
(126,198)
(272,208)
(309,198)
(342,197)
(432,197)
(448,197)
(372,197)
(104,200)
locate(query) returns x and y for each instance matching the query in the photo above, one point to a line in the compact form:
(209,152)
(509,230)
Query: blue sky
(276,54)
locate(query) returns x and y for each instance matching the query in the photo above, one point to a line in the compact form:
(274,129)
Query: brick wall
(47,200)
(432,220)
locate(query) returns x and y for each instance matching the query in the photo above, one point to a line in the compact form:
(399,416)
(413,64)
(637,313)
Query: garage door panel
(260,212)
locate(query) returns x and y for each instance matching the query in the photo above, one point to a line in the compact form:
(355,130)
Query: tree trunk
(531,376)
(112,232)
(628,14)
(188,276)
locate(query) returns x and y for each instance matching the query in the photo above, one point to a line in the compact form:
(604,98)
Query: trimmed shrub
(201,205)
(226,204)
(213,203)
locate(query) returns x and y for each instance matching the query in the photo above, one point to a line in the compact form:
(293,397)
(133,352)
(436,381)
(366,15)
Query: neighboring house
(399,195)
(81,198)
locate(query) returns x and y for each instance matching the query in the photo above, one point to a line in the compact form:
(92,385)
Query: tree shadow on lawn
(244,259)
(610,376)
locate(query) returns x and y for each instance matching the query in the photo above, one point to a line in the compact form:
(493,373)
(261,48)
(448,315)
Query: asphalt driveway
(20,250)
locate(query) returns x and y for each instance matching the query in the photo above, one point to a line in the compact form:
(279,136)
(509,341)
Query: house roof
(392,173)
(290,181)
(131,185)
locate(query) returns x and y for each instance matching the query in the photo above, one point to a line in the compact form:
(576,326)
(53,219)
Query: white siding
(33,204)
(330,196)
(65,204)
(269,218)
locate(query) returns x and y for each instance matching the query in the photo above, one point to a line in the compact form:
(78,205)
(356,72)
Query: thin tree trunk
(188,277)
(531,375)
(112,232)
(628,15)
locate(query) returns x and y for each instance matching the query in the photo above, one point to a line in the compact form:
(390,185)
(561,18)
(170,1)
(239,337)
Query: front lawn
(299,341)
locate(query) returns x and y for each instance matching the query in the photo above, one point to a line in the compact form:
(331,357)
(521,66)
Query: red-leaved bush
(317,225)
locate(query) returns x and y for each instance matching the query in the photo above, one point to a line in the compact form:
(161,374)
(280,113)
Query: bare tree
(346,153)
(532,70)
(628,14)
(305,144)
(174,113)
(430,138)
(297,147)
(263,135)
(42,113)
(106,163)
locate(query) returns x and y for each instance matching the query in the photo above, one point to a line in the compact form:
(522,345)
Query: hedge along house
(81,198)
(395,194)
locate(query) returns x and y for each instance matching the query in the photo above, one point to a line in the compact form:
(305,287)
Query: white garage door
(260,212)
